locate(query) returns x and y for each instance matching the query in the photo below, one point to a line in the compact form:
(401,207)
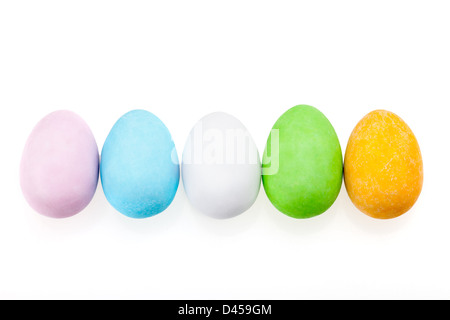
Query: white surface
(254,60)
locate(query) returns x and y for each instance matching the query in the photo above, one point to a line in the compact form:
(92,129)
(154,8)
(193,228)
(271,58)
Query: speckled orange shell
(383,168)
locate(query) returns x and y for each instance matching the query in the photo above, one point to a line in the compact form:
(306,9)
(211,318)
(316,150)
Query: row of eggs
(302,167)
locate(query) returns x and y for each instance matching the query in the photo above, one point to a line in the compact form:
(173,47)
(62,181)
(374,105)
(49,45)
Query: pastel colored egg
(139,166)
(221,168)
(59,166)
(302,163)
(383,167)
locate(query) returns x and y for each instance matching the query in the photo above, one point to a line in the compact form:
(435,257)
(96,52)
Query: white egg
(221,168)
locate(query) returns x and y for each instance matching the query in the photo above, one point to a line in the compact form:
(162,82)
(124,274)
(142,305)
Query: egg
(139,167)
(383,168)
(59,166)
(302,163)
(221,167)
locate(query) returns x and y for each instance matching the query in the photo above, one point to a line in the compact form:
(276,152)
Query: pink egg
(60,164)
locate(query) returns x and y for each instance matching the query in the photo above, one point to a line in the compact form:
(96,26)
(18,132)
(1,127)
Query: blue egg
(139,166)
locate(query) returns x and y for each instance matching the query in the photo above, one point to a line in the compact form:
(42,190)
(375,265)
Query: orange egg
(383,168)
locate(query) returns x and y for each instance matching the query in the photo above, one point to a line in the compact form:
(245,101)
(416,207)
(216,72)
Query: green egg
(302,163)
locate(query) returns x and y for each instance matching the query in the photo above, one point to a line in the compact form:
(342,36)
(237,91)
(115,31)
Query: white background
(254,60)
